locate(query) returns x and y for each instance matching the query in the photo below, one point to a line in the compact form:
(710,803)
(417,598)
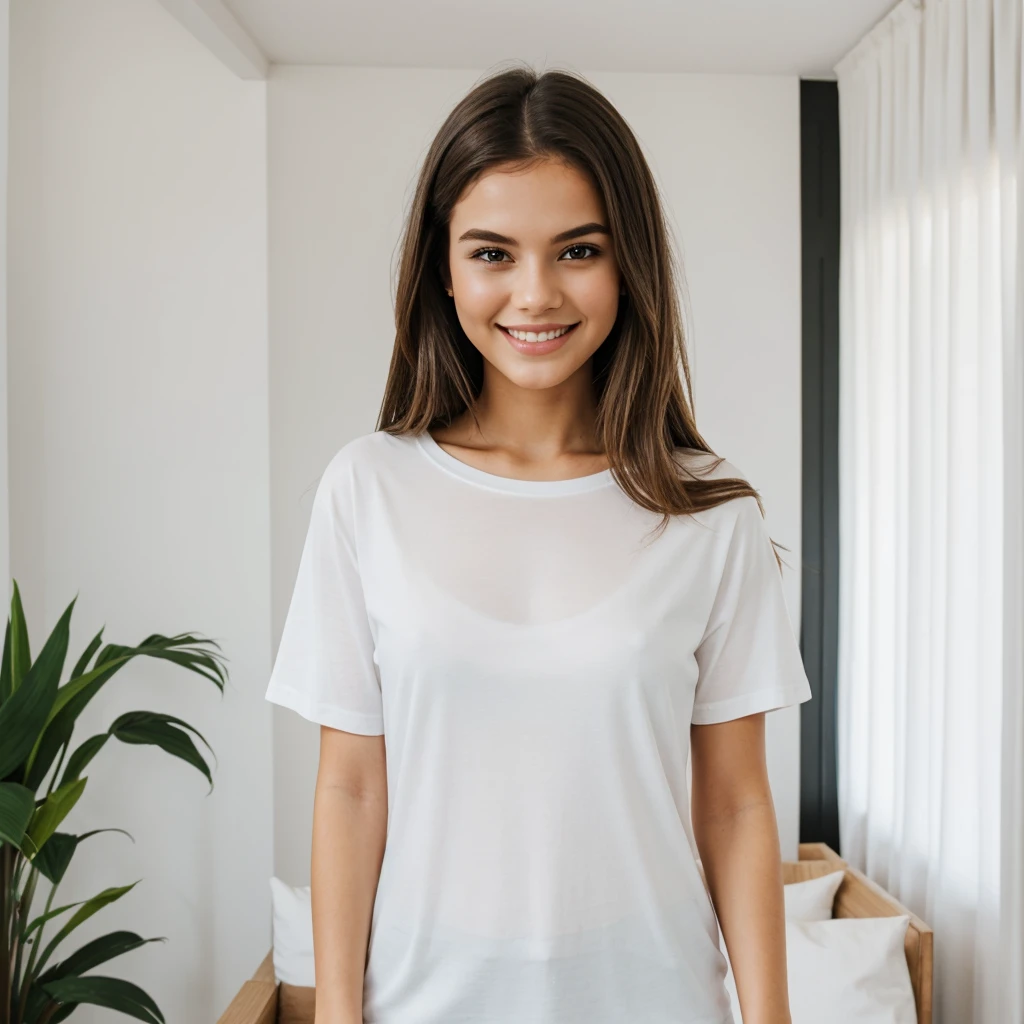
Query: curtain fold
(931,671)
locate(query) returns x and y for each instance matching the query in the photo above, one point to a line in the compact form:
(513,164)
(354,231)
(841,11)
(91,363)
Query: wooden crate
(262,1000)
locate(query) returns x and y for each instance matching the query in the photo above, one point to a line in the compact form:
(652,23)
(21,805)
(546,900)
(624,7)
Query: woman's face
(529,251)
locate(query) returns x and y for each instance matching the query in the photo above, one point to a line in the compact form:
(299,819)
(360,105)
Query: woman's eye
(484,252)
(582,245)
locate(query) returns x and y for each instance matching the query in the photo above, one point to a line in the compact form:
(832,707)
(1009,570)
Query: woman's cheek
(478,294)
(598,296)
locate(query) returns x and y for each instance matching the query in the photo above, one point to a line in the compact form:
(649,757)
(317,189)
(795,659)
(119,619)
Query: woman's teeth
(542,336)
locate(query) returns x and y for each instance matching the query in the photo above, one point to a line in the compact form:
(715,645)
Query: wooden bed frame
(262,1000)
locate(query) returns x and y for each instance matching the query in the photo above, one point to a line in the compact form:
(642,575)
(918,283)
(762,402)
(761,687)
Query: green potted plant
(40,782)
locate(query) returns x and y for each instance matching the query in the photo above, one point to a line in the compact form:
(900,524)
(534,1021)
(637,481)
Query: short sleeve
(325,668)
(748,658)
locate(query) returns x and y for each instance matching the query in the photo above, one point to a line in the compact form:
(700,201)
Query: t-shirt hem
(750,704)
(326,714)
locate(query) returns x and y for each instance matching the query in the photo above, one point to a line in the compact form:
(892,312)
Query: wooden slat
(819,851)
(265,971)
(255,1003)
(296,1004)
(804,870)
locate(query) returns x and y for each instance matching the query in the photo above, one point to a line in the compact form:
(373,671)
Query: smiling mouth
(535,336)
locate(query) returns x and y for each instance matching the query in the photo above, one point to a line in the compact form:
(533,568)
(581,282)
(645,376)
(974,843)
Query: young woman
(523,601)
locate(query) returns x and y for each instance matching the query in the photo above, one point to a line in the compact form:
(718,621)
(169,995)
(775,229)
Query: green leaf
(50,742)
(70,701)
(24,713)
(97,903)
(16,806)
(6,683)
(76,694)
(113,993)
(151,727)
(74,687)
(53,859)
(82,755)
(185,649)
(21,653)
(38,922)
(87,909)
(53,811)
(83,661)
(94,953)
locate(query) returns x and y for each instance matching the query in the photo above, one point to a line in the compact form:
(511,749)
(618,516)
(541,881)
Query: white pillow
(855,967)
(850,970)
(293,933)
(812,900)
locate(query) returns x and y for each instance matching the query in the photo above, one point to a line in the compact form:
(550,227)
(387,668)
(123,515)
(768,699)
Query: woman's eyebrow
(481,235)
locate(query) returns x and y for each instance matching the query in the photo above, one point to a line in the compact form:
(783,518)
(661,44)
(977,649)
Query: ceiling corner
(222,34)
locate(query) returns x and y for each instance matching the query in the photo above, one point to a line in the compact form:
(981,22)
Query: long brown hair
(641,374)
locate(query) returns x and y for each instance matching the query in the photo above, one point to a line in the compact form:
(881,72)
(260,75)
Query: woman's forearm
(348,847)
(739,851)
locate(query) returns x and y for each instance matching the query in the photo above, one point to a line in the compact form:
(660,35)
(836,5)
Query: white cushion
(850,970)
(854,966)
(812,900)
(293,933)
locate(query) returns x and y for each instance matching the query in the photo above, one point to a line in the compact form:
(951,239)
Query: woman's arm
(736,834)
(350,813)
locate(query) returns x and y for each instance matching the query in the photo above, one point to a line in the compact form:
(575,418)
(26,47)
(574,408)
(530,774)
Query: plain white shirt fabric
(534,657)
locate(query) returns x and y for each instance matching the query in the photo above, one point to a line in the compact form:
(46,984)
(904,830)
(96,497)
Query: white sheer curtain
(931,673)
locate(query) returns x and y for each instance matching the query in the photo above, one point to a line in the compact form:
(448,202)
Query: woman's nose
(536,286)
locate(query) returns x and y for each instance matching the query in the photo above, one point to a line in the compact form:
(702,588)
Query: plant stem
(14,945)
(48,1012)
(24,908)
(5,953)
(13,884)
(28,978)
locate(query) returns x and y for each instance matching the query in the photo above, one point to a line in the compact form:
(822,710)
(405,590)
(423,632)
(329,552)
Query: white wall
(5,535)
(139,458)
(344,145)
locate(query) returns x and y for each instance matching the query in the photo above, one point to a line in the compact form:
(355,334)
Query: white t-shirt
(534,658)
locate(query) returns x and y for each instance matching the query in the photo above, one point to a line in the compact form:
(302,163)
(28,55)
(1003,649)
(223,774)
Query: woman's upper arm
(728,765)
(353,762)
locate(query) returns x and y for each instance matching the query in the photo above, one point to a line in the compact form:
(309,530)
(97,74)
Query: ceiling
(785,37)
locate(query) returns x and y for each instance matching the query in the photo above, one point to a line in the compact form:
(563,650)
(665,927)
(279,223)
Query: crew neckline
(538,488)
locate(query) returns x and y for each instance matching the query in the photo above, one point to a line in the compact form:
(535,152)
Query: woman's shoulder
(362,458)
(368,450)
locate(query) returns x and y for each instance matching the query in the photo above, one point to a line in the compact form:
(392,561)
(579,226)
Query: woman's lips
(537,348)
